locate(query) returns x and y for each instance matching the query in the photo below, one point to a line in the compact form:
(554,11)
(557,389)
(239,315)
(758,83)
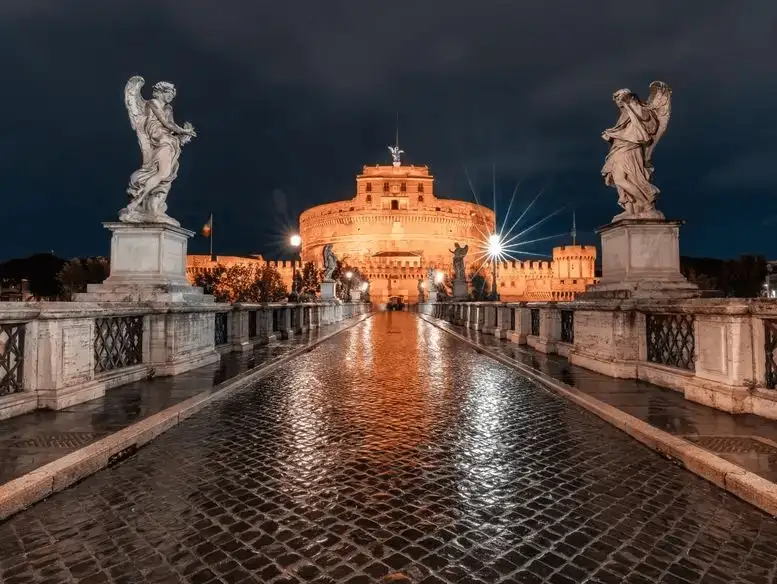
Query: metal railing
(670,340)
(11,357)
(568,326)
(118,342)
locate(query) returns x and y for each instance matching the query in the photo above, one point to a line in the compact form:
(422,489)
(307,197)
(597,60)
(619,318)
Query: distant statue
(420,289)
(160,141)
(629,164)
(396,155)
(459,253)
(330,262)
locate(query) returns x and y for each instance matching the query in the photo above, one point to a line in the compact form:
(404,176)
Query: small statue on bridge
(459,253)
(330,262)
(420,289)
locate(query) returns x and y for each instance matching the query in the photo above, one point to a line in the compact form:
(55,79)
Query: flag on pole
(207,229)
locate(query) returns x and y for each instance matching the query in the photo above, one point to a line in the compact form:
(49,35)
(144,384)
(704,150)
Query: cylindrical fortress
(394,229)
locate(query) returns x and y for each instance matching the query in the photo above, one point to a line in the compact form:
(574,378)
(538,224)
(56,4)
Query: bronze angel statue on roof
(629,164)
(160,140)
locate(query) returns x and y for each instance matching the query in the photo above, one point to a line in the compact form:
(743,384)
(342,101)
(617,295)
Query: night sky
(290,99)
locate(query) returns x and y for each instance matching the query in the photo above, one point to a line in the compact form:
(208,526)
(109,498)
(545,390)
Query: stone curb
(746,485)
(18,494)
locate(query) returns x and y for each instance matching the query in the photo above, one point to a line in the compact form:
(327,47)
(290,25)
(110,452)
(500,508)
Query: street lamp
(349,277)
(494,253)
(295,241)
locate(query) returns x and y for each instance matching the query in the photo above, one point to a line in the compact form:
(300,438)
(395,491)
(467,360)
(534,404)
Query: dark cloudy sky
(291,98)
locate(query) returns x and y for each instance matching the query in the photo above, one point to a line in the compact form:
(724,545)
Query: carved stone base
(641,259)
(460,291)
(328,290)
(148,264)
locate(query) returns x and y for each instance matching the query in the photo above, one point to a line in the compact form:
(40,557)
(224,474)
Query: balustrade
(11,357)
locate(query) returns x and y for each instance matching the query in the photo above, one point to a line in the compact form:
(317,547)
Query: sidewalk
(744,439)
(29,441)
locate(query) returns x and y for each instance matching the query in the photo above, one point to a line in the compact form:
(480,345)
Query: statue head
(623,96)
(456,244)
(165,91)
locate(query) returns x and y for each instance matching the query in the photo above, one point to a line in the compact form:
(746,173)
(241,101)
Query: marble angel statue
(396,155)
(459,253)
(160,140)
(330,262)
(629,164)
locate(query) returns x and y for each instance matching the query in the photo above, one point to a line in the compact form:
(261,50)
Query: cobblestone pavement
(32,440)
(744,439)
(392,453)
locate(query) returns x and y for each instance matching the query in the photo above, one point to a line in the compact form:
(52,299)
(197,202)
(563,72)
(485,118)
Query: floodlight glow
(494,245)
(364,286)
(439,277)
(349,274)
(295,240)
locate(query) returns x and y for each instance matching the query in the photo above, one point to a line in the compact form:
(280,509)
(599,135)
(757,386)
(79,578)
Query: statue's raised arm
(160,140)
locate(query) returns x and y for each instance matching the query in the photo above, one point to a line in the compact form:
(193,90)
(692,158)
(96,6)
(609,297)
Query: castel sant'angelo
(395,229)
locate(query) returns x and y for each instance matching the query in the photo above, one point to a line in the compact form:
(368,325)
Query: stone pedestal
(641,259)
(460,291)
(328,290)
(148,264)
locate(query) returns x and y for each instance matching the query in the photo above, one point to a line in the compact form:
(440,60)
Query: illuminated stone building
(395,228)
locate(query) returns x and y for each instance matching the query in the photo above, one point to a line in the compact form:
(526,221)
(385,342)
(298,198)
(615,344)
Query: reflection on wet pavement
(392,453)
(37,438)
(663,408)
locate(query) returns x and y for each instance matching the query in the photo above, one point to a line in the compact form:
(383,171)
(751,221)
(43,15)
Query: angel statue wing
(136,109)
(660,102)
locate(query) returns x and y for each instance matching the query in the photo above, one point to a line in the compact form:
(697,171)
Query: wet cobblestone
(382,457)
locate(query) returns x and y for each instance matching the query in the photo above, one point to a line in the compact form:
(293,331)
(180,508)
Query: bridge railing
(57,354)
(719,352)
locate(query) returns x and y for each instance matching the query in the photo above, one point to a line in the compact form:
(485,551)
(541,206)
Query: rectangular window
(394,205)
(403,187)
(369,198)
(385,187)
(420,187)
(369,187)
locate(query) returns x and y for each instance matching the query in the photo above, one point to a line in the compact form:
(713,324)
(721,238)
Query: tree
(207,280)
(310,279)
(40,271)
(480,288)
(237,284)
(269,285)
(77,273)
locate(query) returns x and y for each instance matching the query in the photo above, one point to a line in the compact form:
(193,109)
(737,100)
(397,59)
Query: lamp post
(495,252)
(439,278)
(349,277)
(295,241)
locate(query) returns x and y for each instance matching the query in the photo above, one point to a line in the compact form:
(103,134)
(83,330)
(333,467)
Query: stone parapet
(58,354)
(718,352)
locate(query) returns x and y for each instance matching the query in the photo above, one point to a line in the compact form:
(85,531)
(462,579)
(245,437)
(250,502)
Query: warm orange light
(206,230)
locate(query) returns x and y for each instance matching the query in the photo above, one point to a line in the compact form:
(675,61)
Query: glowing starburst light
(494,246)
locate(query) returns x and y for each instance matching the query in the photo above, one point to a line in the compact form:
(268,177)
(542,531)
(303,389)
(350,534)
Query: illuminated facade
(394,229)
